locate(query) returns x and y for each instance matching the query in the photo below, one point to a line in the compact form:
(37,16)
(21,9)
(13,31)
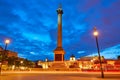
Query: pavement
(58,75)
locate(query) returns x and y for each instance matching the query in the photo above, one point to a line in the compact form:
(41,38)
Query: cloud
(110,53)
(80,52)
(39,37)
(32,26)
(21,14)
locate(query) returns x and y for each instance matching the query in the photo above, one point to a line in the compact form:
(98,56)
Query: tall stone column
(59,52)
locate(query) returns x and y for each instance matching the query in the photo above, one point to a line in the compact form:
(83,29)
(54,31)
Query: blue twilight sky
(31,25)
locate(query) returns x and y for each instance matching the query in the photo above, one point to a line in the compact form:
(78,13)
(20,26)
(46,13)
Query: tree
(119,57)
(3,56)
(27,63)
(0,55)
(11,61)
(17,63)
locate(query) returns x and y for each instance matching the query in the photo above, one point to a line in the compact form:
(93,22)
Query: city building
(11,54)
(72,58)
(84,63)
(8,53)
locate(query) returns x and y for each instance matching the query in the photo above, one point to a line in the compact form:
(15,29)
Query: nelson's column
(59,52)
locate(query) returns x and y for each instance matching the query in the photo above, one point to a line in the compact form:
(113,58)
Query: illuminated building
(72,58)
(8,53)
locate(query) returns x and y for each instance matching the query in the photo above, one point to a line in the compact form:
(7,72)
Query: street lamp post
(7,41)
(46,64)
(96,38)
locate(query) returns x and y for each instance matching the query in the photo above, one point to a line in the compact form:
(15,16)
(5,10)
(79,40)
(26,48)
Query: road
(36,75)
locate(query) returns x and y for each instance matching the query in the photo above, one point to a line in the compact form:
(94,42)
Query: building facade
(8,53)
(85,63)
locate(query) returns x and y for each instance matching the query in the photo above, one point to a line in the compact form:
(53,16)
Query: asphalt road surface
(58,76)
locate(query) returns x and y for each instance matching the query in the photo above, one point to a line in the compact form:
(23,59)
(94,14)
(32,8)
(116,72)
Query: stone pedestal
(58,65)
(59,54)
